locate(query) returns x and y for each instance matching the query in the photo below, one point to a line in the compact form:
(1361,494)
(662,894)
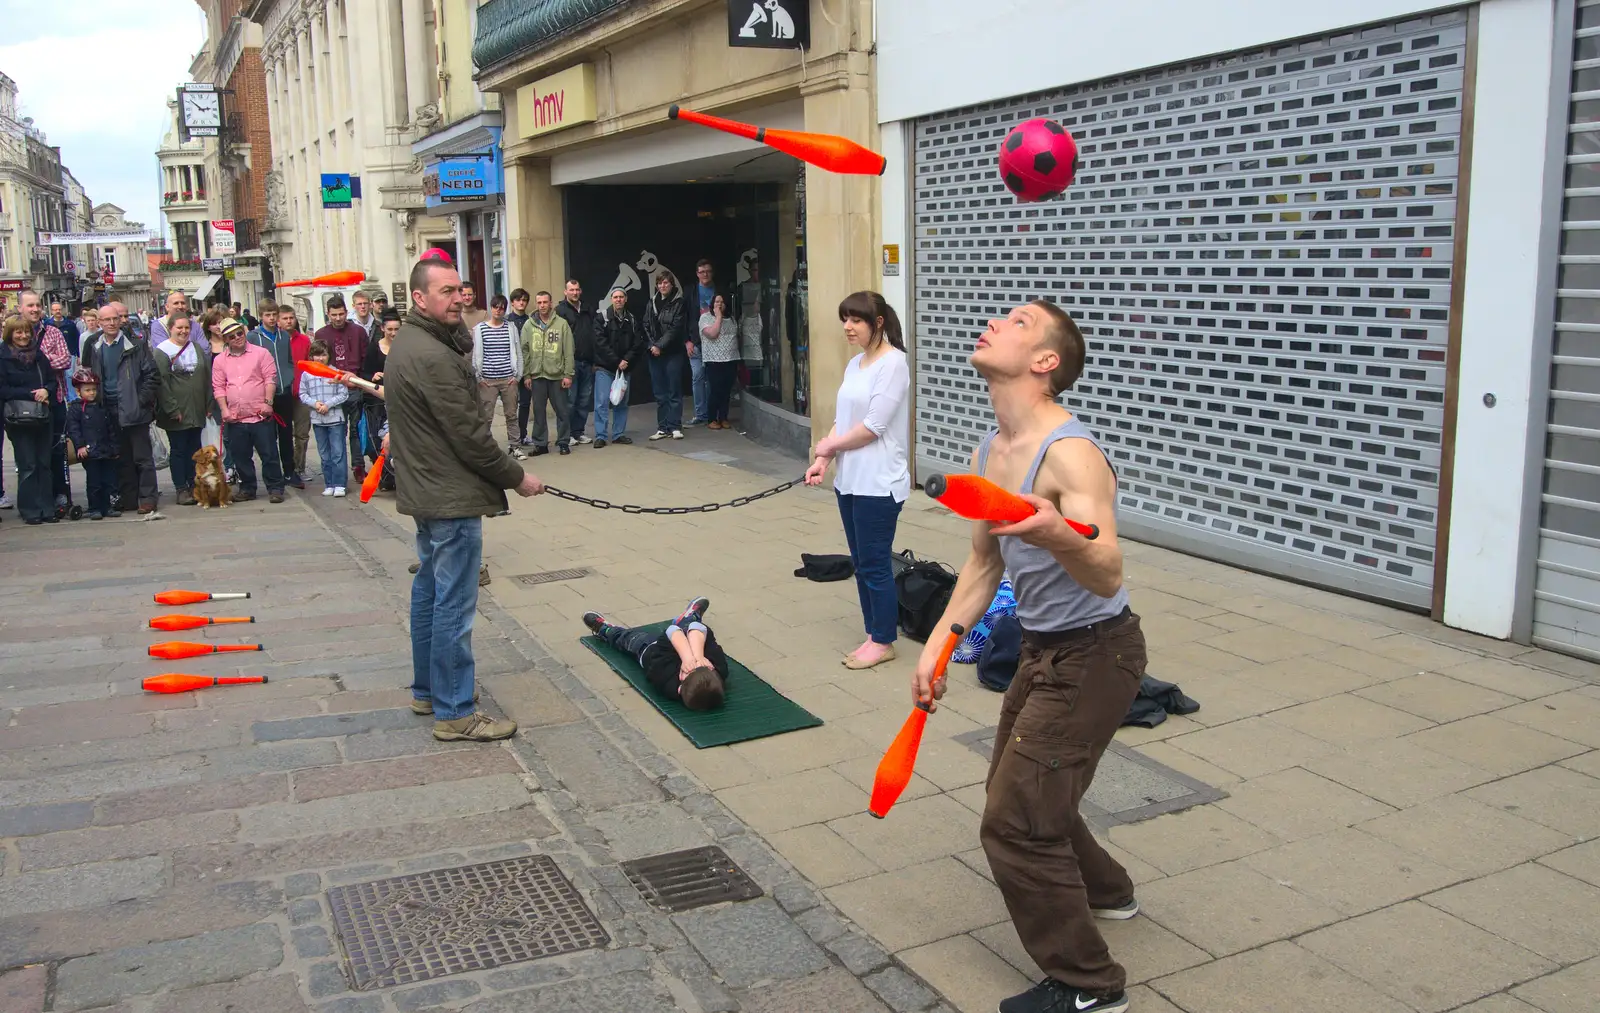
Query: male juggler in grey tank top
(1048,599)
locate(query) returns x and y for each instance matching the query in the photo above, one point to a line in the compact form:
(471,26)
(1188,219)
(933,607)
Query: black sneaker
(565,450)
(1117,912)
(595,621)
(1052,996)
(599,443)
(623,441)
(696,611)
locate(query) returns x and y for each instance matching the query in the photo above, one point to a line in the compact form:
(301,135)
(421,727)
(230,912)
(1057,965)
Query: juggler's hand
(924,691)
(531,486)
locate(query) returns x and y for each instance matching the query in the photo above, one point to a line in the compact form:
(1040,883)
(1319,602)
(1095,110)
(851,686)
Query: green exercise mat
(752,708)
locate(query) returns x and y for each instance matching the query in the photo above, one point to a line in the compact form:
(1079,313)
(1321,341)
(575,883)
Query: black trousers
(352,419)
(30,446)
(138,464)
(283,407)
(245,439)
(101,482)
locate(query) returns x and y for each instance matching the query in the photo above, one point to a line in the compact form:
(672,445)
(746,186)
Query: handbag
(619,389)
(26,412)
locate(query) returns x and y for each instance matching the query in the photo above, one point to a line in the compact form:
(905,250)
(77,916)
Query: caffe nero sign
(769,24)
(461,179)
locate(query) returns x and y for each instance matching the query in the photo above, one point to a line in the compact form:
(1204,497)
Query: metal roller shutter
(1566,597)
(1258,249)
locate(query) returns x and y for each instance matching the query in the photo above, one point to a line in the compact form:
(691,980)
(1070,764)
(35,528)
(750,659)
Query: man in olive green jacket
(455,474)
(547,369)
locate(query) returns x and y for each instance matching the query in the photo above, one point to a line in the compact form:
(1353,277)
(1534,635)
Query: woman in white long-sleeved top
(870,444)
(719,350)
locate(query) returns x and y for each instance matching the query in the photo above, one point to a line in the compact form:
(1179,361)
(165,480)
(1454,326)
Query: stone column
(840,231)
(535,236)
(418,66)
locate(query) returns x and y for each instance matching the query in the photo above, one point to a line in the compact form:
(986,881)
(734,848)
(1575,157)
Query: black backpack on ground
(923,589)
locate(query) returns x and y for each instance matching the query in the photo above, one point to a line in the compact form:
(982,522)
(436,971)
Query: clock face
(201,109)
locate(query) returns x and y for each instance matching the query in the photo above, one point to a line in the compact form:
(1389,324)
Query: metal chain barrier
(704,508)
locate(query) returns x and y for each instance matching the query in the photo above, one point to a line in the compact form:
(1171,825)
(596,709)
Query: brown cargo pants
(1070,694)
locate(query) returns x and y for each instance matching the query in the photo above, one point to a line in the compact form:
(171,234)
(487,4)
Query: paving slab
(198,960)
(750,942)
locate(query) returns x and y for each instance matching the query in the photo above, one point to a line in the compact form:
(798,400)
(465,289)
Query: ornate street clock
(201,112)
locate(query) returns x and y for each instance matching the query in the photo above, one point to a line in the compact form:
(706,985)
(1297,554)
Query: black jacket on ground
(90,426)
(666,323)
(583,324)
(617,339)
(661,663)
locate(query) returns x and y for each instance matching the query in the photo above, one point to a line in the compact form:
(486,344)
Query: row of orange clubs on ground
(176,650)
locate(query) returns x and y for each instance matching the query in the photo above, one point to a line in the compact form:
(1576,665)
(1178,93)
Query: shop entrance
(627,236)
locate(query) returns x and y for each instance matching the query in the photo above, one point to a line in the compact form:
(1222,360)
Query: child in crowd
(683,663)
(326,401)
(94,437)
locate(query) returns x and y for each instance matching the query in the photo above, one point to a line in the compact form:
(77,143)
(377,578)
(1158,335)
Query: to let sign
(223,238)
(556,102)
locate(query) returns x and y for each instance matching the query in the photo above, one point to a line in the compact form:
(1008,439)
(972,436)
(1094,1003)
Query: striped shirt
(496,343)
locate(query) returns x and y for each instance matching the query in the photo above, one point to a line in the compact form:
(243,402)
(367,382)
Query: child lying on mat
(683,663)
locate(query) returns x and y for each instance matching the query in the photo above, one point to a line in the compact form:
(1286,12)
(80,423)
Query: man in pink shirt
(243,380)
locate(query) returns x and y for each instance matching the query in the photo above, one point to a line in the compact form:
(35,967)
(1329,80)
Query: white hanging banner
(95,238)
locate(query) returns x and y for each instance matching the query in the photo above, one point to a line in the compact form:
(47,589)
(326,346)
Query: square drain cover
(1127,787)
(551,576)
(430,924)
(690,879)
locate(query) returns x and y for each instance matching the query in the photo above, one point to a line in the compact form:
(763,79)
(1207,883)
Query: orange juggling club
(374,476)
(825,151)
(327,372)
(894,770)
(173,623)
(191,597)
(177,650)
(177,682)
(978,499)
(334,280)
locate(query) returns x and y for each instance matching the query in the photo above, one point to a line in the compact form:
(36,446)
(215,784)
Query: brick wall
(249,84)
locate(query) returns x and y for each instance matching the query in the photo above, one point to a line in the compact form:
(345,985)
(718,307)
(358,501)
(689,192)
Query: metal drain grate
(551,576)
(1127,787)
(430,924)
(690,879)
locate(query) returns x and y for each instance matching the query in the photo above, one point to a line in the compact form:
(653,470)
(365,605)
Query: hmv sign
(769,24)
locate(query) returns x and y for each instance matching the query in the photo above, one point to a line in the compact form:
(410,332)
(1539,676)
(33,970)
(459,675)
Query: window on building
(199,180)
(3,244)
(186,239)
(110,259)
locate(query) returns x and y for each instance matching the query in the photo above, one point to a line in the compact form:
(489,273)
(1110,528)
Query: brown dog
(211,487)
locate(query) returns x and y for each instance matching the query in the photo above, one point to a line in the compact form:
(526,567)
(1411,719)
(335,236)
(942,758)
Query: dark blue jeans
(666,380)
(444,600)
(869,523)
(582,396)
(184,444)
(261,438)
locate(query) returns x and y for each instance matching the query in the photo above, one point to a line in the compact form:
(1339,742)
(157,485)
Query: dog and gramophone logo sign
(769,24)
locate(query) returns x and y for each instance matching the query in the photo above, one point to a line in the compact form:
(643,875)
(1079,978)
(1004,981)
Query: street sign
(71,266)
(211,265)
(339,189)
(247,272)
(223,237)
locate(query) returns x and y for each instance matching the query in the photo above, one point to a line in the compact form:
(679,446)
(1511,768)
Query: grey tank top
(1048,599)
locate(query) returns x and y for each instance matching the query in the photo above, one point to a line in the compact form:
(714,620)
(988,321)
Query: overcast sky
(95,76)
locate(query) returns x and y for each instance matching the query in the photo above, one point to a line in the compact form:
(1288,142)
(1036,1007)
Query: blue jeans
(869,528)
(666,379)
(330,451)
(610,421)
(444,600)
(697,383)
(185,443)
(581,396)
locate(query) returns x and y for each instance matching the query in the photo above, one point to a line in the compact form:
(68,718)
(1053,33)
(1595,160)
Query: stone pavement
(1408,817)
(183,853)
